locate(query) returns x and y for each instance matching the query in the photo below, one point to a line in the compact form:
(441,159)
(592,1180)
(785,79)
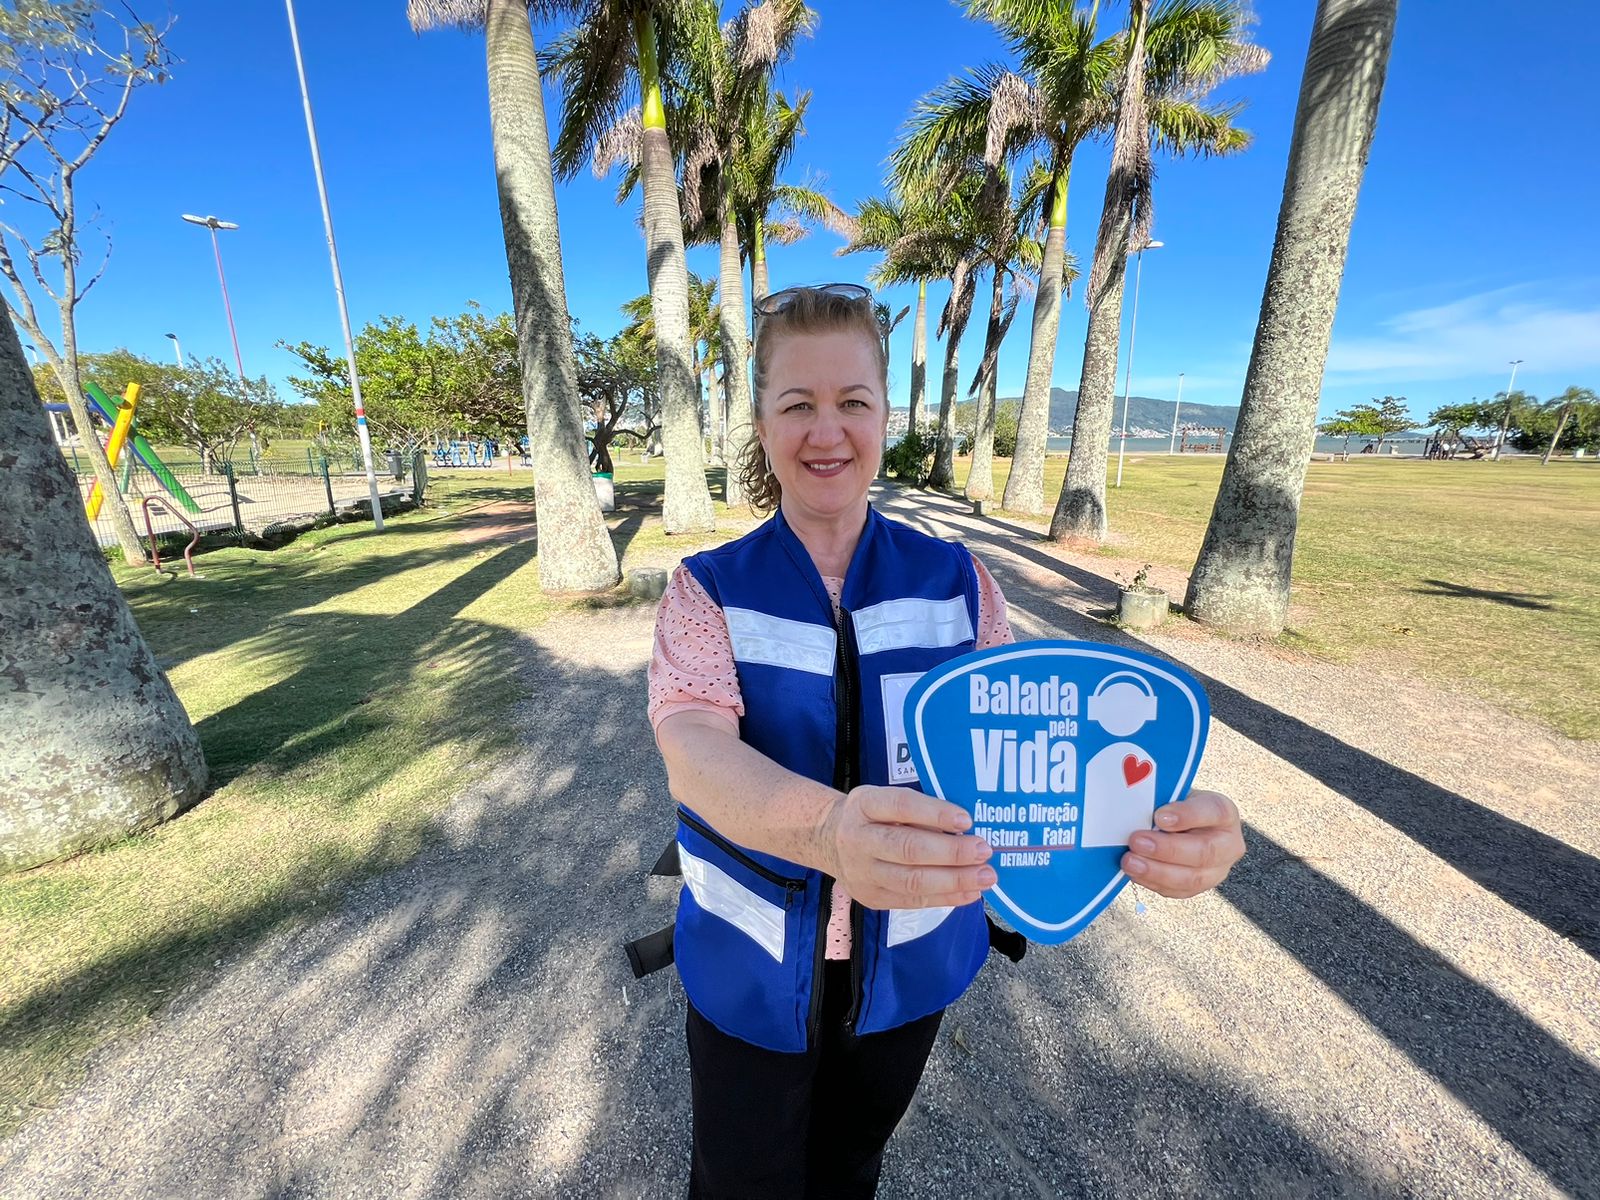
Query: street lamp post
(338,277)
(1505,421)
(1133,329)
(177,348)
(213,224)
(1172,443)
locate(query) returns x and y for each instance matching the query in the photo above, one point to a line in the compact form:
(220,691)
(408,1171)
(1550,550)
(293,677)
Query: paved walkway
(1395,994)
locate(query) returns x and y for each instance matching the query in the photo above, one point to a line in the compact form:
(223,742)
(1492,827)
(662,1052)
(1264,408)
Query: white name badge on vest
(1061,751)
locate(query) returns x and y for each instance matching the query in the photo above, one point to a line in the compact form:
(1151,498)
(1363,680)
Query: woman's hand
(897,848)
(1193,847)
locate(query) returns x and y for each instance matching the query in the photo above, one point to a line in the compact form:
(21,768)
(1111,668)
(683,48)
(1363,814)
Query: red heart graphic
(1135,768)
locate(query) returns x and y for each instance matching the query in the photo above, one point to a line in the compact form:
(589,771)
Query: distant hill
(1147,416)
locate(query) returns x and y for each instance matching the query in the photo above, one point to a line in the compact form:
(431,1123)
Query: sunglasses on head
(770,306)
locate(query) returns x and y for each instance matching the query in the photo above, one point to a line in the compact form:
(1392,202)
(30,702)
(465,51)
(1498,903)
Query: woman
(827,919)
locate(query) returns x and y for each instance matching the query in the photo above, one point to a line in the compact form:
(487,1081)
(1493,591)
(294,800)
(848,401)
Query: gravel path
(1397,993)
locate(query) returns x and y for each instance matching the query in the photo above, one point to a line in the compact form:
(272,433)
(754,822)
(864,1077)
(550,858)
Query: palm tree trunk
(575,550)
(980,479)
(719,416)
(758,262)
(1081,507)
(97,744)
(919,357)
(1555,438)
(943,475)
(1241,580)
(735,351)
(1025,483)
(687,508)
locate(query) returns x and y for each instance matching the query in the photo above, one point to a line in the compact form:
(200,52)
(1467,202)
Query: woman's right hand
(897,848)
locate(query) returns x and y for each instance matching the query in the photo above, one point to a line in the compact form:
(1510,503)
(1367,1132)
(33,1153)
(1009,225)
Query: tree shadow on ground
(467,1025)
(1460,591)
(1521,1080)
(1552,882)
(347,659)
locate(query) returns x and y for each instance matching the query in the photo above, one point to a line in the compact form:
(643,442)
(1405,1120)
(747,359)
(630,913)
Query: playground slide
(146,453)
(120,428)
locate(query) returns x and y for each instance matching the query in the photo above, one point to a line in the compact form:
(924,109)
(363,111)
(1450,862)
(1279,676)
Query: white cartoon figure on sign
(1119,784)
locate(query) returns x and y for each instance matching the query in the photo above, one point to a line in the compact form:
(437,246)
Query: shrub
(910,460)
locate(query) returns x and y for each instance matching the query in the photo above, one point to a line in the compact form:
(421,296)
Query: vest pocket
(728,882)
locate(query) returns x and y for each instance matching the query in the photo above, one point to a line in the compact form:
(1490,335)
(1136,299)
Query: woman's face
(822,420)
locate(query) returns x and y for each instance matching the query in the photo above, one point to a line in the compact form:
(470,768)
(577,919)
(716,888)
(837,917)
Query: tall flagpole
(338,279)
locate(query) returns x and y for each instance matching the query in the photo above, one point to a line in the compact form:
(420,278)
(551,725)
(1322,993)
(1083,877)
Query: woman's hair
(806,311)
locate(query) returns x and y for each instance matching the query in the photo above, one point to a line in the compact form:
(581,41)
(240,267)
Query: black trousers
(810,1126)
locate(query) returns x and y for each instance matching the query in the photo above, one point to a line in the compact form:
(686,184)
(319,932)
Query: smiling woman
(831,911)
(827,917)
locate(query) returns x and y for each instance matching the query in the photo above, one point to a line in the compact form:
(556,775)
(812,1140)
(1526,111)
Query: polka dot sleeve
(994,627)
(691,666)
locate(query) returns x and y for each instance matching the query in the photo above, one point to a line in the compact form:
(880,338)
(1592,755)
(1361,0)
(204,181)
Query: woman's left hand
(1194,845)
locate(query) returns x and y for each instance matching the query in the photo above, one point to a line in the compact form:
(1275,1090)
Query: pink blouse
(692,670)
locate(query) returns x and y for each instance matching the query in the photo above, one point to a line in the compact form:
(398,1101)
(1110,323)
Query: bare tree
(67,73)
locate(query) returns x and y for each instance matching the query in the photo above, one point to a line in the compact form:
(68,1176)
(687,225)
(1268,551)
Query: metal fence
(247,496)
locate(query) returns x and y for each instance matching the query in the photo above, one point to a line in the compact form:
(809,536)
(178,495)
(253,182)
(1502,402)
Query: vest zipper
(848,753)
(733,851)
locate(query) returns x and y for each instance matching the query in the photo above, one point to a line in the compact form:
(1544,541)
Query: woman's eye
(799,406)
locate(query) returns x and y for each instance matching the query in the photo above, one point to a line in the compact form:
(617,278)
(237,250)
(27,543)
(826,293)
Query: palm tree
(1014,256)
(575,550)
(771,210)
(883,224)
(705,333)
(616,43)
(1173,52)
(953,247)
(97,744)
(1573,397)
(725,96)
(1059,96)
(1241,580)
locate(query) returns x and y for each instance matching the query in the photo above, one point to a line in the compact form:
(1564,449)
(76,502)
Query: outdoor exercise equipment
(456,453)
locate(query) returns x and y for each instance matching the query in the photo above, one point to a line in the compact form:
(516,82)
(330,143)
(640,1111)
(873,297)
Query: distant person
(827,918)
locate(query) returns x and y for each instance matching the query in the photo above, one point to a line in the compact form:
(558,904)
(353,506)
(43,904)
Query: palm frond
(446,14)
(592,66)
(1185,128)
(808,203)
(1193,45)
(621,144)
(951,122)
(783,233)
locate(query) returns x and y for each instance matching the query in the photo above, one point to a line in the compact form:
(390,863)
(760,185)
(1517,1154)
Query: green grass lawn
(345,688)
(1477,573)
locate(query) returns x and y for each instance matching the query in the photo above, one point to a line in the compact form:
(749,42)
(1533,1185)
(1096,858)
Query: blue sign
(1060,751)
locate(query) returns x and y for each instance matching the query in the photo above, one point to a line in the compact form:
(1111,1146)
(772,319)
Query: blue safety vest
(823,697)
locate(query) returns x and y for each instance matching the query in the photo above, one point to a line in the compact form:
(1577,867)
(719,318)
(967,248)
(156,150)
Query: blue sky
(1469,247)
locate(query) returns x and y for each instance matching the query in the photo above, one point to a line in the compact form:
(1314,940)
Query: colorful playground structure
(120,419)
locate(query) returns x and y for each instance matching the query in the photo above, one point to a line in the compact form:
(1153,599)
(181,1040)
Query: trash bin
(605,491)
(397,466)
